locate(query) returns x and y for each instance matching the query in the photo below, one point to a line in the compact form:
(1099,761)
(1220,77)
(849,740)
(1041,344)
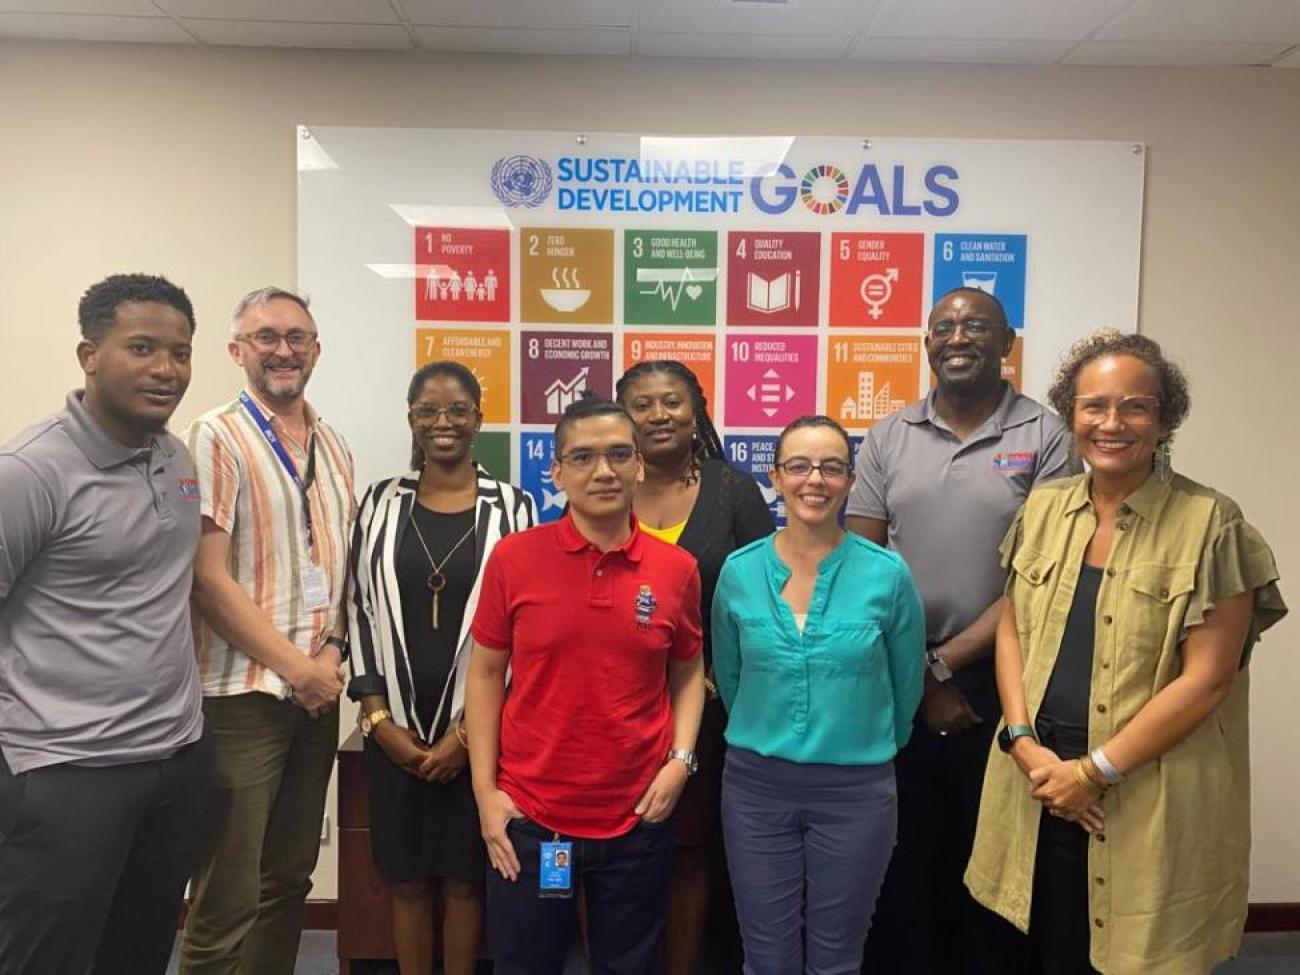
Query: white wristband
(1109,772)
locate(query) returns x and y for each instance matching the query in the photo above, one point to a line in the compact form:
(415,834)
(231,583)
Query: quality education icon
(521,181)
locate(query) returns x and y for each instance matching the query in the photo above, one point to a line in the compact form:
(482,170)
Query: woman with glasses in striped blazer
(419,544)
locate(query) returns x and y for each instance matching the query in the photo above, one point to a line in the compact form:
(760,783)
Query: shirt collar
(309,412)
(1145,502)
(572,540)
(1012,410)
(89,437)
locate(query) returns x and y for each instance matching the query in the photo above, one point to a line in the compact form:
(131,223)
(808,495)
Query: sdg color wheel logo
(521,181)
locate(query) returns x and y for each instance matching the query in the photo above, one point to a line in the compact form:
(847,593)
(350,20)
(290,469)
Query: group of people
(974,708)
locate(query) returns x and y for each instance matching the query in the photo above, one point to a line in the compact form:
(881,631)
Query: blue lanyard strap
(277,446)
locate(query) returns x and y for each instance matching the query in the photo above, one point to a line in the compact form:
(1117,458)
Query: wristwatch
(939,668)
(369,722)
(1008,735)
(687,757)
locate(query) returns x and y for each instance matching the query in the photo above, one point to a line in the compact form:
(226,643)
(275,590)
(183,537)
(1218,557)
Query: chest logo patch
(1021,462)
(189,489)
(645,606)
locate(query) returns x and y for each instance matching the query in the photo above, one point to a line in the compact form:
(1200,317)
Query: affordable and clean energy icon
(770,392)
(561,394)
(876,290)
(986,281)
(767,297)
(671,283)
(568,295)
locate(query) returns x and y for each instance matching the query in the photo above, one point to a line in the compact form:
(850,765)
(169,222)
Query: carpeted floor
(1262,954)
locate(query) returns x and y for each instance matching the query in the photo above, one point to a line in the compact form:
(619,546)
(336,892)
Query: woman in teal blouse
(819,654)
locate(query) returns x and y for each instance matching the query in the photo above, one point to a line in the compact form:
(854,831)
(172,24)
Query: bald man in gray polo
(940,482)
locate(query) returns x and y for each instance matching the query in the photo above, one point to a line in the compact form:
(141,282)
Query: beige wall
(120,158)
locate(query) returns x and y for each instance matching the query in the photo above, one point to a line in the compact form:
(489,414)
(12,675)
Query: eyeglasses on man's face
(268,339)
(583,459)
(974,328)
(458,413)
(831,468)
(1136,410)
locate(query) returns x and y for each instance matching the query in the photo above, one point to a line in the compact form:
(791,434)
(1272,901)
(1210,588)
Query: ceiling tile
(286,11)
(804,18)
(994,19)
(516,14)
(760,46)
(919,50)
(247,33)
(1172,55)
(65,27)
(107,8)
(594,42)
(1206,20)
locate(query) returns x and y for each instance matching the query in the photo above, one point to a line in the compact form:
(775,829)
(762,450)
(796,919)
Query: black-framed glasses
(1130,409)
(975,328)
(831,468)
(583,459)
(457,413)
(268,339)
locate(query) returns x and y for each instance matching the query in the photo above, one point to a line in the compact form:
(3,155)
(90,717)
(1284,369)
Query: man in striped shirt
(277,505)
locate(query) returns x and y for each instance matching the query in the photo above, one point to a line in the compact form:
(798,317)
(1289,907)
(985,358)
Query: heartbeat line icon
(671,283)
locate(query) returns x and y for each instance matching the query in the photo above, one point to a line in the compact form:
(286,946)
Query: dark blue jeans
(625,883)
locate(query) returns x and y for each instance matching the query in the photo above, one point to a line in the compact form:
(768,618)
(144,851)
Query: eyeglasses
(1130,409)
(976,328)
(585,460)
(268,340)
(457,413)
(831,469)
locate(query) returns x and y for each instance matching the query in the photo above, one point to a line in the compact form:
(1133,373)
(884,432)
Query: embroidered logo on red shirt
(645,607)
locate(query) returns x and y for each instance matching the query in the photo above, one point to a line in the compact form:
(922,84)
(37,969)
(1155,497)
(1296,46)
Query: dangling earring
(1164,462)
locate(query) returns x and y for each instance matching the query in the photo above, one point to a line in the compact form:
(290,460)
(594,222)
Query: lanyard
(277,446)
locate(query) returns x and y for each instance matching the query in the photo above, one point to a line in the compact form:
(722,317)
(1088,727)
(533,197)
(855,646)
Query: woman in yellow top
(1114,827)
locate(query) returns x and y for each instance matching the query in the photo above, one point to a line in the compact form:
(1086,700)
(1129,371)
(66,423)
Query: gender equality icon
(876,280)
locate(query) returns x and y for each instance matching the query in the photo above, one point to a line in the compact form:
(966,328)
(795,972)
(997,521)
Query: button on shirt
(1170,872)
(248,494)
(587,724)
(97,544)
(843,691)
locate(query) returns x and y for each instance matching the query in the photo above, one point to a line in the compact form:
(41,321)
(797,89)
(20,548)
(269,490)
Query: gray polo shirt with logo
(949,501)
(97,545)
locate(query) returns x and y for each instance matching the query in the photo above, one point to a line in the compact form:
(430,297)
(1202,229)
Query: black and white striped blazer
(379,660)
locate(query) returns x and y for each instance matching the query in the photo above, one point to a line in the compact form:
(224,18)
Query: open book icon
(772,296)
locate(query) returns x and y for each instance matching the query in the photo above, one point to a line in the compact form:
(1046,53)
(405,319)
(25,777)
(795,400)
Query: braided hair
(706,444)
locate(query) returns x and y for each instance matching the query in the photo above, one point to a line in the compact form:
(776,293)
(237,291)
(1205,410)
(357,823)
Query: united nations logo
(521,181)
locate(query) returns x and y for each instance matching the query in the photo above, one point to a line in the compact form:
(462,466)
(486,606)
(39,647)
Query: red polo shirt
(586,724)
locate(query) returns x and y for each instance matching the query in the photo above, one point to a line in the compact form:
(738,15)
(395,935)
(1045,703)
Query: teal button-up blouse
(844,691)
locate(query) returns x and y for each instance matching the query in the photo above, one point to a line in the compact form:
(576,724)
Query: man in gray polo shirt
(104,773)
(940,482)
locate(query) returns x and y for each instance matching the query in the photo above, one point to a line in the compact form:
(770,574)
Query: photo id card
(555,879)
(315,588)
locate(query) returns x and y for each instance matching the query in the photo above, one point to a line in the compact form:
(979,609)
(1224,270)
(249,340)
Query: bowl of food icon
(566,299)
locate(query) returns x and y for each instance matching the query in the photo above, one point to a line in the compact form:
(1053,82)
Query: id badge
(315,588)
(555,879)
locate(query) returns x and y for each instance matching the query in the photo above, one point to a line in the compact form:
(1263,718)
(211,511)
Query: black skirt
(422,830)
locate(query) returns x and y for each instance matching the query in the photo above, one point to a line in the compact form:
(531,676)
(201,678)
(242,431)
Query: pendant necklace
(437,582)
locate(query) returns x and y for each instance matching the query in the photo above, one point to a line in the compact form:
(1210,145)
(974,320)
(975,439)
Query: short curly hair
(97,310)
(1175,400)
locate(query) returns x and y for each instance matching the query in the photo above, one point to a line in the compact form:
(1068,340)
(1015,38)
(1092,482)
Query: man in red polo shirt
(577,770)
